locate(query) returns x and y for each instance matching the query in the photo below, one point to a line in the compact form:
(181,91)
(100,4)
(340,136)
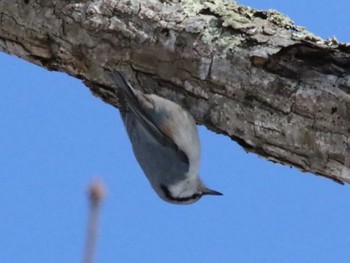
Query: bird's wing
(143,117)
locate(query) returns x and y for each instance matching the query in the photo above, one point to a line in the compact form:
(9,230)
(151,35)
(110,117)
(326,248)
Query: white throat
(186,187)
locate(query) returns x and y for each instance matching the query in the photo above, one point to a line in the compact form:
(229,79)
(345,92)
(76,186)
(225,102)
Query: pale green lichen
(229,42)
(246,11)
(280,20)
(192,7)
(225,15)
(228,12)
(221,37)
(211,33)
(305,35)
(236,21)
(229,15)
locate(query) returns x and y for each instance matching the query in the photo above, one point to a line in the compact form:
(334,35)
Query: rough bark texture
(252,75)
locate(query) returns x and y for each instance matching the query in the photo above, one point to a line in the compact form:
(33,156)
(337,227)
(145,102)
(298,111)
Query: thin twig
(96,194)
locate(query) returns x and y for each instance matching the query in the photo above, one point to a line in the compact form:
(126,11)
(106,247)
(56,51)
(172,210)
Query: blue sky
(56,137)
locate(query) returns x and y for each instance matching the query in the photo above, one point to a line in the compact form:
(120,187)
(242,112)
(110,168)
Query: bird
(165,142)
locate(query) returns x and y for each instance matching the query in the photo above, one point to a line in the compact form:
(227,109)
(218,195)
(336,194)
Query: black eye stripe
(178,199)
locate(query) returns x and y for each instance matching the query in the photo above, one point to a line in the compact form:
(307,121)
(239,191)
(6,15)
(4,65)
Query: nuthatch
(165,142)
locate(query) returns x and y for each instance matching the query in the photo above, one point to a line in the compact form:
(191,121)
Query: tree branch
(254,76)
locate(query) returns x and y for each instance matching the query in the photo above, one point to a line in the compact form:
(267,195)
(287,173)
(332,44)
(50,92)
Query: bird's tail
(124,87)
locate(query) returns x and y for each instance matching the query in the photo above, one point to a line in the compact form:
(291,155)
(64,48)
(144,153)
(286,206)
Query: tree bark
(271,86)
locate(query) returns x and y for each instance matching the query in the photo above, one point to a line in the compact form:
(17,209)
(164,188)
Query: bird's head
(185,192)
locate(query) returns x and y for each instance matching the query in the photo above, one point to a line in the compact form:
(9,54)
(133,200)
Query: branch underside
(254,76)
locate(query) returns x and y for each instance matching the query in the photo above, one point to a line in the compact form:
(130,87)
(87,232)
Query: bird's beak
(208,191)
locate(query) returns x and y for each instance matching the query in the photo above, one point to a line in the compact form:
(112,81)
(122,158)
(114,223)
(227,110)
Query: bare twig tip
(97,191)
